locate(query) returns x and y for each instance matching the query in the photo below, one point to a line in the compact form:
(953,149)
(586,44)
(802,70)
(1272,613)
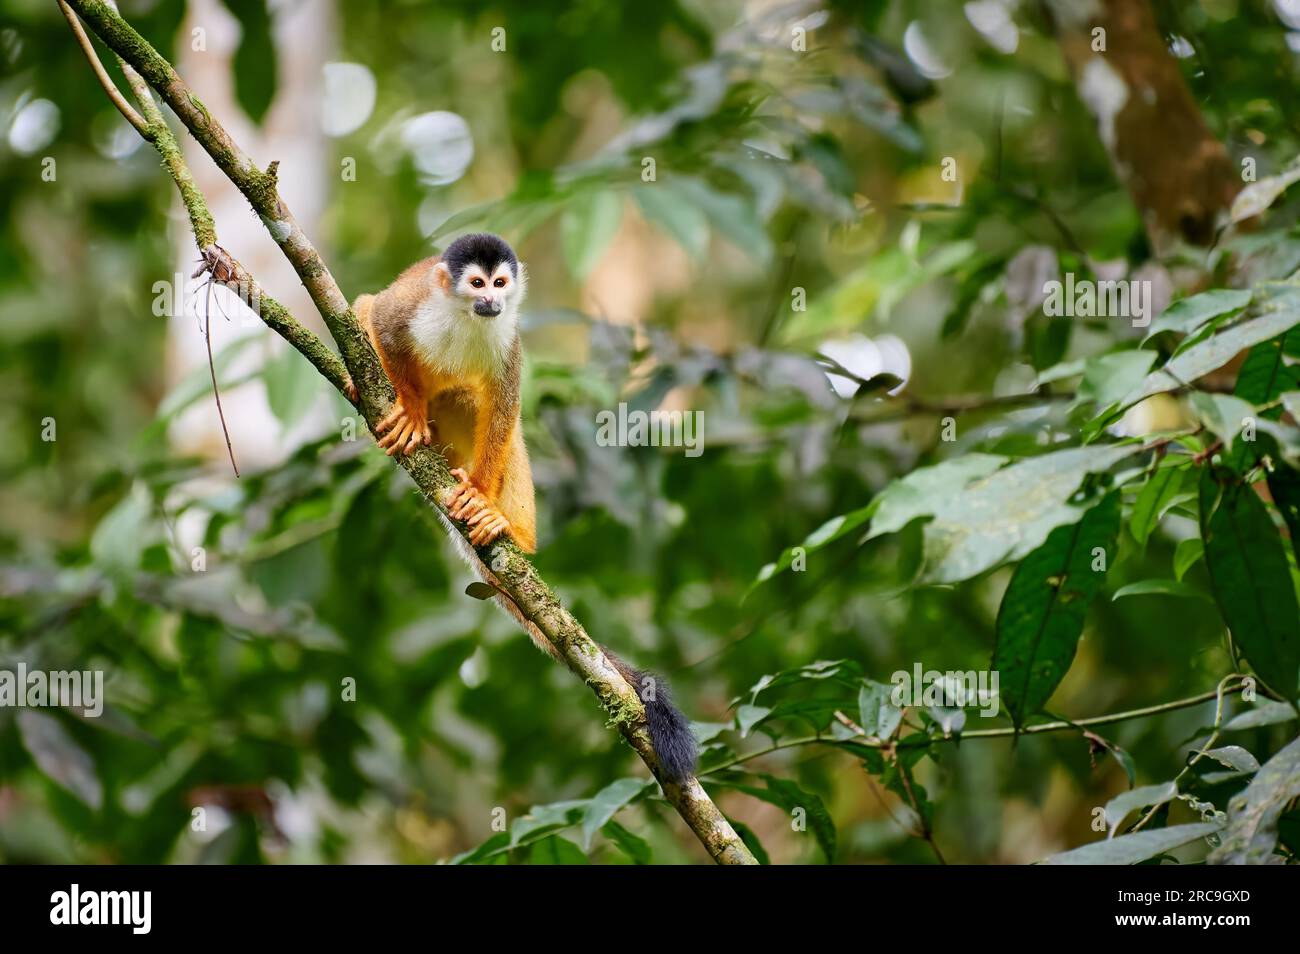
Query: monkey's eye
(477,282)
(500,283)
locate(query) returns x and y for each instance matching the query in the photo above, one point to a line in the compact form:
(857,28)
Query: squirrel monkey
(447,333)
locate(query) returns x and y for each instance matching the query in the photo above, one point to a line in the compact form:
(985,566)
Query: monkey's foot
(486,525)
(464,500)
(351,390)
(403,430)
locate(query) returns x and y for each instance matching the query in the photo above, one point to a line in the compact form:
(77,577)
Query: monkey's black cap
(483,249)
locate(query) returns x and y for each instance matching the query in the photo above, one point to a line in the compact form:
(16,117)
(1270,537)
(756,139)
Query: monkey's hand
(405,428)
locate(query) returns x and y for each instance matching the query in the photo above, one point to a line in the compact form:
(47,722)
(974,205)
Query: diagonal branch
(426,466)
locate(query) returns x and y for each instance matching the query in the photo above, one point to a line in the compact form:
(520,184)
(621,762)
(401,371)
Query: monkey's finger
(412,442)
(460,475)
(487,513)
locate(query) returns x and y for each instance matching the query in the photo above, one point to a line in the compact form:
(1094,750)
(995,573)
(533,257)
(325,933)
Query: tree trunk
(1178,173)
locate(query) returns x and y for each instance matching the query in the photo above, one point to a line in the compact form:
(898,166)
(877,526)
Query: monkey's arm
(406,426)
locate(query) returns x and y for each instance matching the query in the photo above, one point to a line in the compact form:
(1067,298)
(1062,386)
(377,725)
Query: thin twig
(873,742)
(1209,743)
(101,74)
(212,369)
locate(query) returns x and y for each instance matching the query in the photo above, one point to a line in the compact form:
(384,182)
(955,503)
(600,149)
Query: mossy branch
(426,467)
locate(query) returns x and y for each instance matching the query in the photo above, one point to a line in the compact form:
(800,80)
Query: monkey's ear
(442,277)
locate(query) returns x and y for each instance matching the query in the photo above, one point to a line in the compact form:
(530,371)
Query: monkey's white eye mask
(486,293)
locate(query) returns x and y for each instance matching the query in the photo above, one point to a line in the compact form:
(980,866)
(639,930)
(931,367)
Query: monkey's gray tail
(670,731)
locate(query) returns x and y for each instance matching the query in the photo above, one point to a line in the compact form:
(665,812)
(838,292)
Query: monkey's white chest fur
(462,345)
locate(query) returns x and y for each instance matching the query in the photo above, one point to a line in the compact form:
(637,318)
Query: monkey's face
(480,272)
(488,291)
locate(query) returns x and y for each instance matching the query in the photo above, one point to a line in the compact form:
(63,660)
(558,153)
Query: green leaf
(1157,496)
(1223,415)
(733,217)
(1279,313)
(751,841)
(877,714)
(748,716)
(921,492)
(1132,849)
(606,803)
(1251,833)
(1108,377)
(1258,196)
(556,850)
(790,797)
(1042,613)
(1189,314)
(480,590)
(496,845)
(1265,374)
(1234,757)
(674,212)
(1160,588)
(1284,487)
(124,532)
(1186,554)
(59,756)
(256,61)
(1117,808)
(980,523)
(1266,712)
(587,226)
(634,846)
(1251,580)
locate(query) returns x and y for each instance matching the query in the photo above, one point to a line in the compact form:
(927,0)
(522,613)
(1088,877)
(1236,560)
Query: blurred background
(709,194)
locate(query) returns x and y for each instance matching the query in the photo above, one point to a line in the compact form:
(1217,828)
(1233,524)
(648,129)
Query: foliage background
(776,169)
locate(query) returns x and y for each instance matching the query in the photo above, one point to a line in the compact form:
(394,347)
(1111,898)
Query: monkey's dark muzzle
(487,308)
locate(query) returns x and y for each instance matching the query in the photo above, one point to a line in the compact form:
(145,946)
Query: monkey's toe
(351,390)
(463,500)
(488,524)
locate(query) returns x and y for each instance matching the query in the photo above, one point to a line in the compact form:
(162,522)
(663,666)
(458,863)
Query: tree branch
(375,394)
(101,74)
